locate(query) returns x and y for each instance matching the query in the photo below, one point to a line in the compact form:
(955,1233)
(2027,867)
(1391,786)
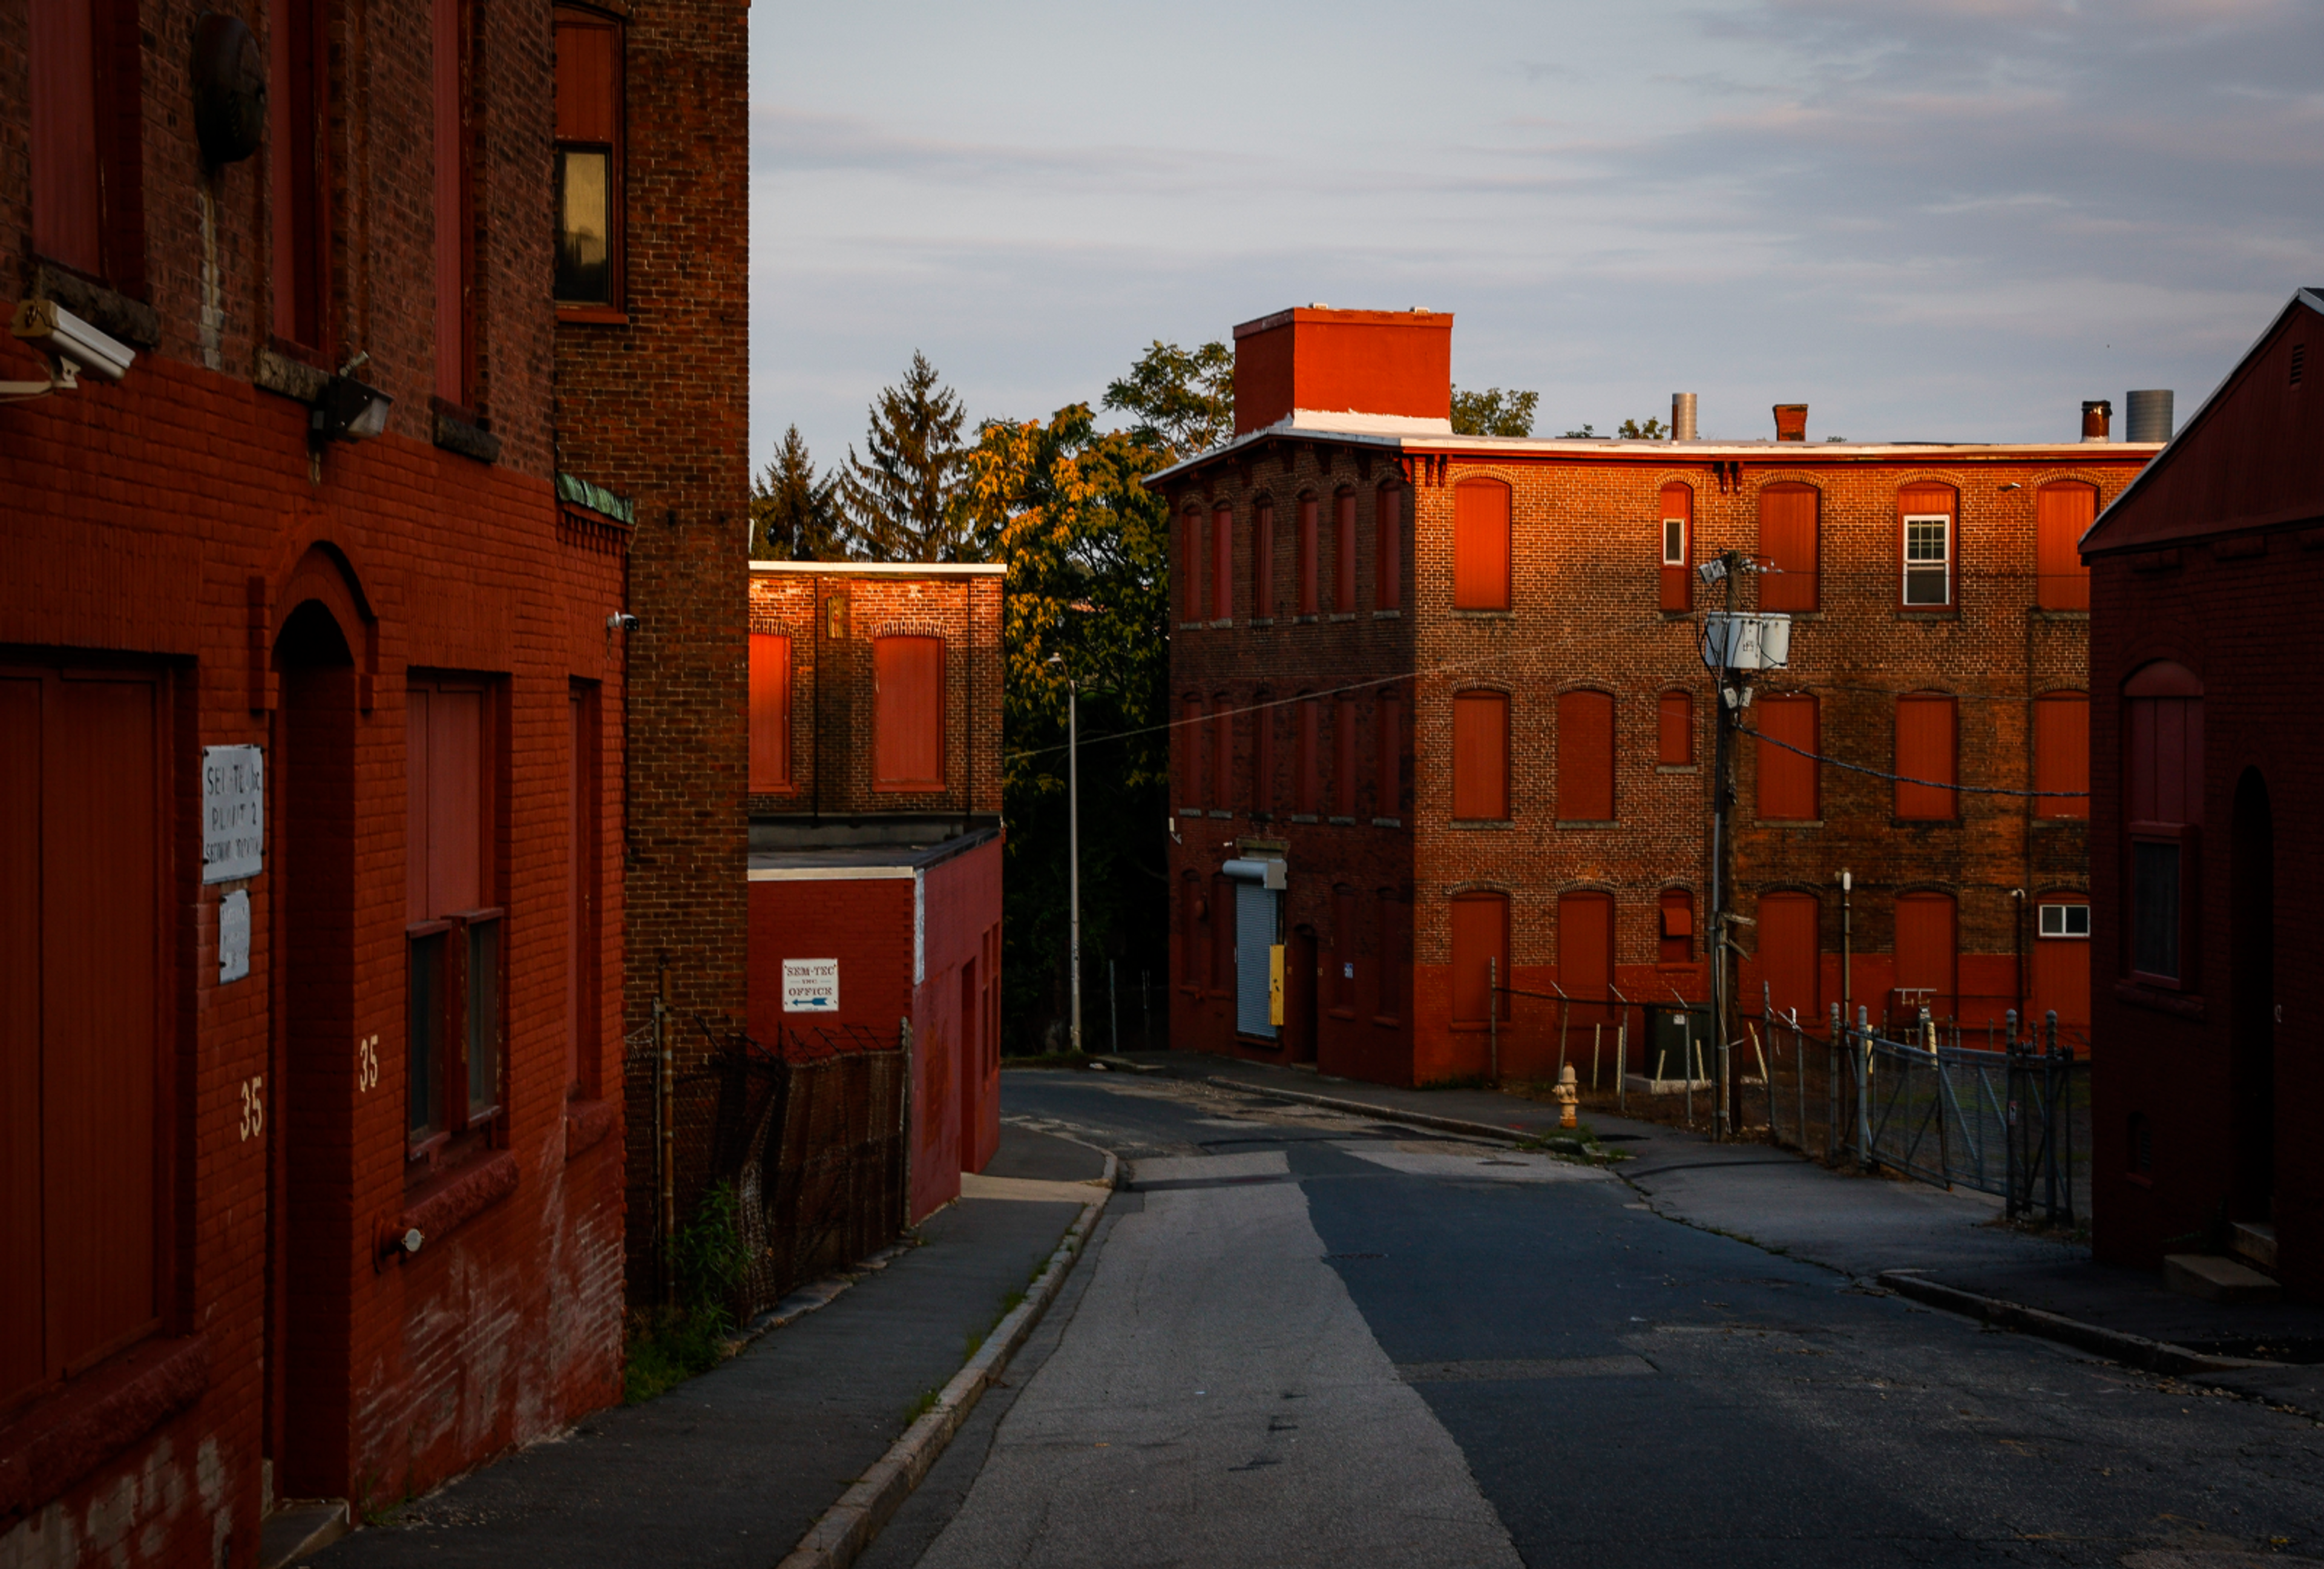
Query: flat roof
(892,568)
(858,863)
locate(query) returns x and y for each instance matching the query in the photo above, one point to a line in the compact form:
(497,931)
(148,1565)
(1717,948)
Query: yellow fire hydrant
(1567,1094)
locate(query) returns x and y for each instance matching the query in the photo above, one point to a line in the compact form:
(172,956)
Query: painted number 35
(367,1061)
(253,1107)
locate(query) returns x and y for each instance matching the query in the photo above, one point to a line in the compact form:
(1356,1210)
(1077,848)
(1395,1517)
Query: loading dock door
(1255,919)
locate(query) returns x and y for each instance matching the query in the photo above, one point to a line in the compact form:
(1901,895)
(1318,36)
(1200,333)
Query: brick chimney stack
(1395,367)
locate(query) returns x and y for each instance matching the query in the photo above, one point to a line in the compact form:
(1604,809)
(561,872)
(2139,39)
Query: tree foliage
(1650,430)
(904,501)
(1182,400)
(1493,412)
(794,516)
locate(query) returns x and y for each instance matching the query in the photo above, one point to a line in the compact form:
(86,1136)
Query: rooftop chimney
(1387,371)
(1682,416)
(1791,422)
(2149,415)
(2098,419)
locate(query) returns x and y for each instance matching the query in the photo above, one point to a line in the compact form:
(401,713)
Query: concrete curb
(848,1527)
(1383,1114)
(2136,1351)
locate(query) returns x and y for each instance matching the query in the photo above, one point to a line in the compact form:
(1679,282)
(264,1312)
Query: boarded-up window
(1193,743)
(1480,545)
(1343,759)
(1310,760)
(296,169)
(1395,951)
(2062,754)
(1585,948)
(1388,580)
(1222,934)
(1925,955)
(1788,789)
(1675,941)
(1675,729)
(449,157)
(1790,962)
(1480,950)
(1788,546)
(1585,757)
(67,189)
(771,712)
(446,762)
(1927,749)
(1262,559)
(1310,591)
(1388,758)
(1223,755)
(1481,756)
(1190,565)
(1927,549)
(1343,950)
(1265,790)
(453,938)
(2162,756)
(1675,532)
(588,176)
(1222,563)
(81,863)
(1194,931)
(2061,513)
(908,743)
(1343,551)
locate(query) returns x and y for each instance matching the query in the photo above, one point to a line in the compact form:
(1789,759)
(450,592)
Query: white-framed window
(2066,920)
(1928,559)
(1675,543)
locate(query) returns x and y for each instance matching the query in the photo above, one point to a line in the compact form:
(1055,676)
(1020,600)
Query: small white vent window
(2065,920)
(1674,542)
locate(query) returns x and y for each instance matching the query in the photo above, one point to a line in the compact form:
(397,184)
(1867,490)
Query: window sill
(1388,1021)
(455,434)
(73,1431)
(1258,1042)
(1787,821)
(1387,822)
(1678,768)
(1341,615)
(1590,823)
(1678,966)
(1306,619)
(1687,614)
(1481,825)
(1223,623)
(1930,613)
(1190,812)
(1388,615)
(2040,614)
(2139,1179)
(131,320)
(276,371)
(592,316)
(1484,614)
(1304,817)
(2041,822)
(1341,822)
(1261,621)
(1924,821)
(1188,625)
(435,1209)
(2181,1004)
(586,1123)
(1216,813)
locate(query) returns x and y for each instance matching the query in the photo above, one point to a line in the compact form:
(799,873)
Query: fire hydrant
(1567,1094)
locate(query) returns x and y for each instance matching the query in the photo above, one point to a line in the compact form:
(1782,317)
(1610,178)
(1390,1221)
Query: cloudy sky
(1949,219)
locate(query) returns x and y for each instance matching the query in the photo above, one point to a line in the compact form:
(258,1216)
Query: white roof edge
(1355,422)
(901,569)
(829,873)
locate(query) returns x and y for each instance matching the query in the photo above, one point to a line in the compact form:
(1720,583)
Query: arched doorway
(309,1222)
(2251,986)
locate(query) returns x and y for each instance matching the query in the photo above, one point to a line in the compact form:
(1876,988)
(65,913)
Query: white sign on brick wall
(234,812)
(233,935)
(810,985)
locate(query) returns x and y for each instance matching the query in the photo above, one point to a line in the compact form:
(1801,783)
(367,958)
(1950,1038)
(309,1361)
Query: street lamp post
(1073,835)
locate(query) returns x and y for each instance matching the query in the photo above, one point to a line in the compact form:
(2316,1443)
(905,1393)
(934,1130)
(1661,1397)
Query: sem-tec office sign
(234,813)
(810,985)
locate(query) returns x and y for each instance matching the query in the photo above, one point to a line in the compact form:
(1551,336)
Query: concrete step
(2218,1279)
(299,1528)
(2254,1241)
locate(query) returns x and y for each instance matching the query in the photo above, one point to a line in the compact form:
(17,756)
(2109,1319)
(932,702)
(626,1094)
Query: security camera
(72,342)
(621,621)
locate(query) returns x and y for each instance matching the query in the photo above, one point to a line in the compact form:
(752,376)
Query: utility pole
(1074,838)
(1722,799)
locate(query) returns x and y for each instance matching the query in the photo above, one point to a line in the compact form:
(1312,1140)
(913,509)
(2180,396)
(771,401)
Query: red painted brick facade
(173,524)
(2213,563)
(1585,596)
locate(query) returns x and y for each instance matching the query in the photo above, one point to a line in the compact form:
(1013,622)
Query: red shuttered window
(1675,944)
(1790,955)
(1677,541)
(453,212)
(1927,750)
(1343,759)
(2061,513)
(2062,754)
(1480,545)
(1788,546)
(1310,590)
(1480,950)
(1265,790)
(1193,933)
(451,906)
(1675,729)
(1310,760)
(907,740)
(1222,756)
(1585,757)
(1190,568)
(1481,756)
(1343,552)
(1194,738)
(1222,563)
(68,201)
(1388,758)
(2162,759)
(1585,949)
(82,857)
(1924,955)
(771,712)
(1262,560)
(1788,782)
(589,184)
(1388,542)
(298,171)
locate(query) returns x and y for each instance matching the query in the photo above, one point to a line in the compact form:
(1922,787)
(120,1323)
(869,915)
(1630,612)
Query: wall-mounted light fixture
(349,410)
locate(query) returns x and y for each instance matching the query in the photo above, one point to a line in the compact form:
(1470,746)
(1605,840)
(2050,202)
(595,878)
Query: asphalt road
(1310,1339)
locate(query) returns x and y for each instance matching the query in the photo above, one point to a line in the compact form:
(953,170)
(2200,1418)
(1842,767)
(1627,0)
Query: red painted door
(1924,955)
(2061,968)
(1790,955)
(1585,955)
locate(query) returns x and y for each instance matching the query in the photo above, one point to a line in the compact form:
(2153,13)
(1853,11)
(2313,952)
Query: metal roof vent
(2149,415)
(2098,420)
(2299,360)
(1683,417)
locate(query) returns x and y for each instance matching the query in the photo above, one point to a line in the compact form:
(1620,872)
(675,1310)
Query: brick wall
(1584,592)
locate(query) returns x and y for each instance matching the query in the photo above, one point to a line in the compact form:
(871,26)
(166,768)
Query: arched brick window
(1387,544)
(1481,756)
(908,704)
(2061,513)
(771,712)
(2162,786)
(1789,547)
(1676,540)
(2061,753)
(1790,953)
(1928,749)
(1481,949)
(1585,757)
(1480,545)
(1788,791)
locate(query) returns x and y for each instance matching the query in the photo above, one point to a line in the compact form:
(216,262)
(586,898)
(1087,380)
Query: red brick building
(2204,748)
(1454,686)
(311,731)
(651,284)
(874,876)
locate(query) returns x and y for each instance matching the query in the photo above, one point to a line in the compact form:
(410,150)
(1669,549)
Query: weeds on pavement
(666,1346)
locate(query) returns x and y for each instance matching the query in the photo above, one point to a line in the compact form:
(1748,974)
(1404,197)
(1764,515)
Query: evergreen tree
(1184,401)
(904,502)
(794,516)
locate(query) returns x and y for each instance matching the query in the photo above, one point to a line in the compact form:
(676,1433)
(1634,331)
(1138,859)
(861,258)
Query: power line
(1906,778)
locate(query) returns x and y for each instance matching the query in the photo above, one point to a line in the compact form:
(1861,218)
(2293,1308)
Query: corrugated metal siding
(66,201)
(1675,730)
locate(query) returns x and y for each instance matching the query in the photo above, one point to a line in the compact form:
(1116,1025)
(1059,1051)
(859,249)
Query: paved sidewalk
(735,1467)
(1863,1225)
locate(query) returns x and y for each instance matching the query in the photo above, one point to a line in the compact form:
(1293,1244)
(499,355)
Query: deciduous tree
(1493,412)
